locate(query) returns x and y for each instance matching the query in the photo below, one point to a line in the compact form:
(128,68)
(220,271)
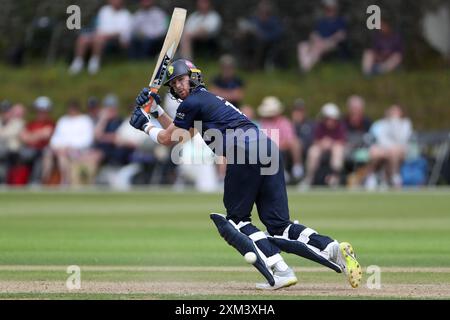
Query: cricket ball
(250,257)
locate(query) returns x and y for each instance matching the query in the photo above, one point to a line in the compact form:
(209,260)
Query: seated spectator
(227,84)
(5,105)
(386,52)
(329,138)
(259,38)
(358,140)
(357,125)
(11,125)
(36,137)
(197,166)
(93,108)
(392,135)
(71,141)
(274,122)
(330,32)
(304,127)
(135,151)
(149,28)
(202,27)
(105,131)
(356,122)
(113,27)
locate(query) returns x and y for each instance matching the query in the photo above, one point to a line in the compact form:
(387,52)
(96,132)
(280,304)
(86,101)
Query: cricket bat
(167,53)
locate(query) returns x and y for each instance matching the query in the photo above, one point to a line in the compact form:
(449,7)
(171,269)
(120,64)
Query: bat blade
(168,51)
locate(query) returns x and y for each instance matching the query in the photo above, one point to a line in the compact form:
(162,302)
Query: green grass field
(162,245)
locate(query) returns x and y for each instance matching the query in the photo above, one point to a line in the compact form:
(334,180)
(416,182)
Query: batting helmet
(183,67)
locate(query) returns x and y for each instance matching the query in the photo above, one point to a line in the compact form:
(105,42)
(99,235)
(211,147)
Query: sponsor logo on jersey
(180,115)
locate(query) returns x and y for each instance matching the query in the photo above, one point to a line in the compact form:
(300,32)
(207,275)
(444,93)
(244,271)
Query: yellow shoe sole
(353,268)
(266,286)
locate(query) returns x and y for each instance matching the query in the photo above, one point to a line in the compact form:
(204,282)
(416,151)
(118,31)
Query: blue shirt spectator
(227,84)
(329,25)
(328,35)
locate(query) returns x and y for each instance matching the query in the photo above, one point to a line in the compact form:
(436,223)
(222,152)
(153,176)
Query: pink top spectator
(337,133)
(285,127)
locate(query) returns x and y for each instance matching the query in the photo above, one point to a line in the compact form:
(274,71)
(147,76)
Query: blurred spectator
(227,84)
(386,52)
(329,139)
(392,135)
(149,28)
(358,140)
(170,105)
(70,142)
(304,127)
(329,34)
(274,122)
(202,28)
(135,150)
(198,167)
(93,108)
(259,38)
(35,138)
(11,125)
(113,27)
(355,120)
(105,131)
(5,106)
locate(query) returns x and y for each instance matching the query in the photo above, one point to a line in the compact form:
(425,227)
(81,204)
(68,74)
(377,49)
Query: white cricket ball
(250,257)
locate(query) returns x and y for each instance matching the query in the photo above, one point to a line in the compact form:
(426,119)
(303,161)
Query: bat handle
(148,105)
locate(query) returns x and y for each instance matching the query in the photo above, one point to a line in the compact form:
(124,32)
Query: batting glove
(139,119)
(144,97)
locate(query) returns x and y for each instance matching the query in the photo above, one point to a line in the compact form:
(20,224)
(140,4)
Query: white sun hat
(270,107)
(331,110)
(43,103)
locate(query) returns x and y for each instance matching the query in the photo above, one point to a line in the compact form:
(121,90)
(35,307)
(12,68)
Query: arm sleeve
(380,131)
(186,115)
(275,31)
(56,139)
(342,133)
(289,130)
(102,19)
(406,132)
(191,23)
(398,46)
(161,23)
(318,132)
(85,139)
(213,23)
(125,29)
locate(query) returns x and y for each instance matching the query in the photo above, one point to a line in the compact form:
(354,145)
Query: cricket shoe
(283,279)
(346,259)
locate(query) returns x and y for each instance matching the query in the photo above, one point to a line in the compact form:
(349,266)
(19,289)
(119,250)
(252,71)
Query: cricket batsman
(252,177)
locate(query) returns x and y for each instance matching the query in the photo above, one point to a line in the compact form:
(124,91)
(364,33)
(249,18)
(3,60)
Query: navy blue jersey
(211,112)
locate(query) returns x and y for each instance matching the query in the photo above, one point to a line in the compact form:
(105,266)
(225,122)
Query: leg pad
(301,249)
(241,243)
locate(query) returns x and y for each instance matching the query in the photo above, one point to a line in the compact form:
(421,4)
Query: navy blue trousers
(245,185)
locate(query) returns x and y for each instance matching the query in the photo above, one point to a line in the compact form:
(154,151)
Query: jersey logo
(180,115)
